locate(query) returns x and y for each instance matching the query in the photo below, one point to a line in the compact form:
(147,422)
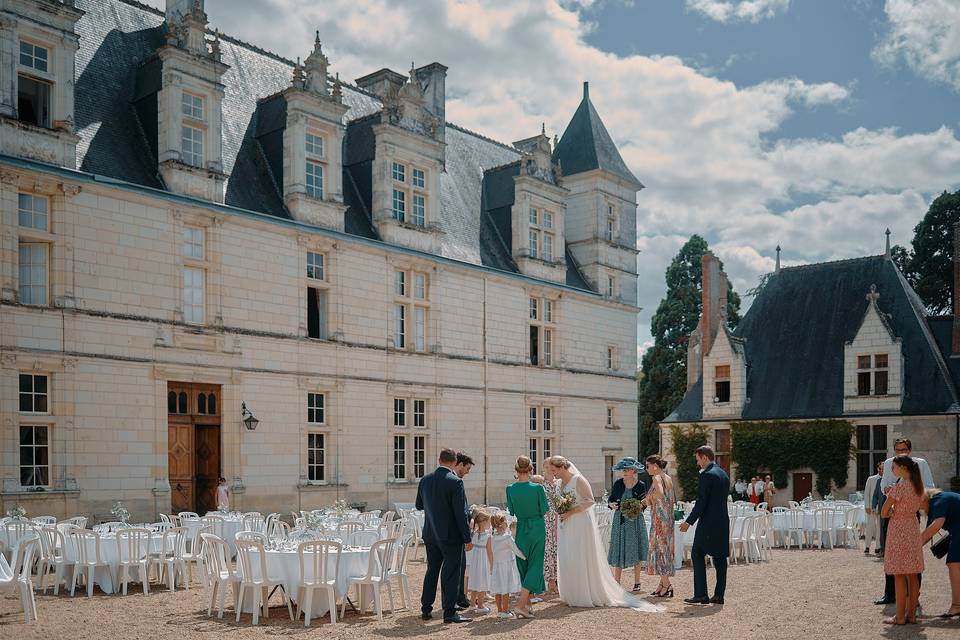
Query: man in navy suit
(712,537)
(446,534)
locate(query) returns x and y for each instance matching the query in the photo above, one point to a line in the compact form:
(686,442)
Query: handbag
(940,547)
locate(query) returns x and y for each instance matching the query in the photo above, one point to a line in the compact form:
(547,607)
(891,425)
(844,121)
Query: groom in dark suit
(712,537)
(446,534)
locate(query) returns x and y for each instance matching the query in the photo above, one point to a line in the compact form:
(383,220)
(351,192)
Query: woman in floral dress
(903,550)
(552,487)
(660,499)
(628,537)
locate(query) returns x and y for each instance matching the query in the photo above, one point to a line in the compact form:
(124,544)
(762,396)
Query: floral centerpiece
(828,498)
(223,510)
(563,502)
(120,512)
(631,508)
(17,512)
(806,500)
(339,507)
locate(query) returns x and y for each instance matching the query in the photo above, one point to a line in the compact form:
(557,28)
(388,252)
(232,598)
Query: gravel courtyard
(798,594)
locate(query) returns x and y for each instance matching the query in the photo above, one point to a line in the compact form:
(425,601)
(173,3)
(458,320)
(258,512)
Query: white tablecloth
(105,577)
(230,528)
(283,567)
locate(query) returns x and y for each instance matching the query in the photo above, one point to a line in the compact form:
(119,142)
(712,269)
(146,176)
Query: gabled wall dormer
(873,364)
(189,117)
(312,144)
(539,212)
(38,46)
(408,157)
(724,376)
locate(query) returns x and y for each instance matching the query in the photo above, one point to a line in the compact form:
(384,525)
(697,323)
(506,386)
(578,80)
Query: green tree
(929,265)
(685,443)
(664,365)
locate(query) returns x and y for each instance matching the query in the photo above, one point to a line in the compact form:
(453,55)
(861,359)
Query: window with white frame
(191,106)
(542,331)
(419,456)
(409,199)
(540,429)
(316,457)
(611,286)
(400,457)
(314,179)
(33,56)
(191,145)
(33,268)
(34,393)
(315,263)
(611,357)
(193,243)
(611,417)
(313,143)
(34,91)
(540,237)
(411,307)
(33,212)
(315,408)
(873,374)
(409,446)
(193,285)
(610,231)
(34,455)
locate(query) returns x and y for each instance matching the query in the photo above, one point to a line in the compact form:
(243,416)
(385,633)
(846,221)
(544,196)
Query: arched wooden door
(193,445)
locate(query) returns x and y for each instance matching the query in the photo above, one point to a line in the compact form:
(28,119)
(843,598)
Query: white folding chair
(193,554)
(78,521)
(398,572)
(164,517)
(794,529)
(169,558)
(43,520)
(251,535)
(362,538)
(218,574)
(278,530)
(253,576)
(350,527)
(823,524)
(850,529)
(17,577)
(16,529)
(215,523)
(315,558)
(188,515)
(254,522)
(133,549)
(381,553)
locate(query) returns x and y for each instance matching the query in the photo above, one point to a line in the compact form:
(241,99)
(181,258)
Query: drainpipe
(486,466)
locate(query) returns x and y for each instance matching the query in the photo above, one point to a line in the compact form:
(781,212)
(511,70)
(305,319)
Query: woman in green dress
(628,538)
(527,501)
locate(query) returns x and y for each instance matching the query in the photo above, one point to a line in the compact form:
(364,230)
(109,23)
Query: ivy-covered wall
(826,446)
(685,442)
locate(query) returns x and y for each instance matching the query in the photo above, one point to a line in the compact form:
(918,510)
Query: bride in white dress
(584,578)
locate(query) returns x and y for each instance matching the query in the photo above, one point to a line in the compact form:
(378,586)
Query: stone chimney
(956,290)
(384,83)
(433,79)
(714,301)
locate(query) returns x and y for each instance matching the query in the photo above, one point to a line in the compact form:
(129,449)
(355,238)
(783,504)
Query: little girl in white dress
(505,577)
(479,561)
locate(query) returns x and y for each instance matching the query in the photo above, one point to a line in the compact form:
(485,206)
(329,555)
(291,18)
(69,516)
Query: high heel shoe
(636,587)
(668,593)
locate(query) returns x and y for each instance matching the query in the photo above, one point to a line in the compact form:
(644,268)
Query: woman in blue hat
(628,537)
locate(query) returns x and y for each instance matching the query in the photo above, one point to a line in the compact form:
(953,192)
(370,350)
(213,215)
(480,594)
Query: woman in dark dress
(628,538)
(943,512)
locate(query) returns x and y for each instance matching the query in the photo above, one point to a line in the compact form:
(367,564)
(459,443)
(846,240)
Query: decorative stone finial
(298,79)
(215,46)
(586,90)
(777,269)
(873,296)
(315,67)
(337,88)
(543,128)
(886,253)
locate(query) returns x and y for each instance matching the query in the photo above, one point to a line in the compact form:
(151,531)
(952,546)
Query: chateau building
(216,261)
(849,340)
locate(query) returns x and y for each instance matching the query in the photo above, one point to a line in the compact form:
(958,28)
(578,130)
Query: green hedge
(685,442)
(781,446)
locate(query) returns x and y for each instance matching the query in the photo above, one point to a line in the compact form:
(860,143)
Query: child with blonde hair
(504,576)
(479,562)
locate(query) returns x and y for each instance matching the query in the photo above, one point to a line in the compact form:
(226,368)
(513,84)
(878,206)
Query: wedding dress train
(583,577)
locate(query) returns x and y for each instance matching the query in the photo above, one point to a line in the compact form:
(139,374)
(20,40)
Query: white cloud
(926,35)
(700,144)
(738,10)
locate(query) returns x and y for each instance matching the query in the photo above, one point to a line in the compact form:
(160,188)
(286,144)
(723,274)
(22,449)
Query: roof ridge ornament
(777,268)
(873,296)
(886,253)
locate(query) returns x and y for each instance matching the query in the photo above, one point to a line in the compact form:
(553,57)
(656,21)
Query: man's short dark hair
(463,458)
(705,451)
(448,456)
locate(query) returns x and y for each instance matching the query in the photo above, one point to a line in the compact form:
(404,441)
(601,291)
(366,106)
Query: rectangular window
(419,210)
(871,450)
(193,305)
(611,357)
(532,219)
(399,172)
(419,328)
(418,179)
(32,212)
(548,247)
(548,311)
(33,270)
(722,391)
(533,452)
(316,313)
(547,448)
(316,457)
(534,308)
(400,457)
(419,286)
(315,408)
(880,361)
(534,344)
(722,372)
(313,144)
(863,362)
(547,347)
(721,444)
(863,383)
(610,416)
(880,383)
(547,220)
(400,325)
(534,422)
(33,101)
(610,229)
(419,413)
(34,396)
(534,239)
(400,283)
(315,265)
(399,205)
(419,456)
(34,455)
(399,412)
(314,179)
(191,145)
(610,286)
(34,56)
(547,418)
(191,106)
(193,243)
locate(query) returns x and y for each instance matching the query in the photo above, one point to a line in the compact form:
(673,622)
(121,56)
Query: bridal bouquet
(563,502)
(17,512)
(120,512)
(631,508)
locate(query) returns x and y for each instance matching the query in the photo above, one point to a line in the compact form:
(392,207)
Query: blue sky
(813,124)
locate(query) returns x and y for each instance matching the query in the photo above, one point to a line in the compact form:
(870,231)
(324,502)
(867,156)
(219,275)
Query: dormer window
(33,92)
(191,130)
(192,106)
(314,145)
(409,200)
(722,383)
(540,237)
(34,56)
(877,374)
(314,179)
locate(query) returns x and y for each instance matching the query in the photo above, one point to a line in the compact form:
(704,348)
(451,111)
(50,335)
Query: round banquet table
(230,528)
(779,520)
(283,567)
(104,577)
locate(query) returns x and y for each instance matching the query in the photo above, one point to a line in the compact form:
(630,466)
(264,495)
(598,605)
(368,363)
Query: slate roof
(586,145)
(795,331)
(118,72)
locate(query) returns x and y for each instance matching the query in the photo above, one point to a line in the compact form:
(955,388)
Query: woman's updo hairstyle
(559,462)
(657,460)
(523,465)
